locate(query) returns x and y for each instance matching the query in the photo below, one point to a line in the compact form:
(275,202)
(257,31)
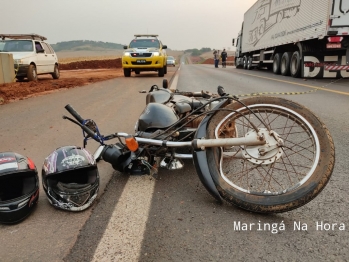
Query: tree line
(85,45)
(198,52)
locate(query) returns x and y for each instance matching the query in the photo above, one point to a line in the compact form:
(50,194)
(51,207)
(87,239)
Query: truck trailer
(301,38)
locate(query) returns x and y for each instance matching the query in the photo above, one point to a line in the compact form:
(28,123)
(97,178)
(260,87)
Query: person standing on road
(224,56)
(216,58)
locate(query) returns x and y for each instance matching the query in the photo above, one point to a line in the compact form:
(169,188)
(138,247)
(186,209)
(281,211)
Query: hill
(85,45)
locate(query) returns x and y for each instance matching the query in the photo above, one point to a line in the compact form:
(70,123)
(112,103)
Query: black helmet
(70,178)
(19,187)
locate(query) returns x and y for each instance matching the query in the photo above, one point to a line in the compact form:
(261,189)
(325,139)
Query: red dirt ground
(72,75)
(92,64)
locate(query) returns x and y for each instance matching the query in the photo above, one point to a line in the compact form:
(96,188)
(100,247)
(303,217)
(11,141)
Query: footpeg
(172,164)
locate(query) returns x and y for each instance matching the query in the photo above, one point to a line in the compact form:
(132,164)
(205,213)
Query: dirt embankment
(92,64)
(72,75)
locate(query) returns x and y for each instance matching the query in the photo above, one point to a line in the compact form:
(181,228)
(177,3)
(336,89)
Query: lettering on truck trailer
(270,13)
(329,67)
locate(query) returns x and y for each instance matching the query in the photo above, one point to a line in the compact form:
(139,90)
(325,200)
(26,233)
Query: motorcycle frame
(199,143)
(202,143)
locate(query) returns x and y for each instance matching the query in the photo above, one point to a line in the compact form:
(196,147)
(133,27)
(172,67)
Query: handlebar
(81,122)
(75,114)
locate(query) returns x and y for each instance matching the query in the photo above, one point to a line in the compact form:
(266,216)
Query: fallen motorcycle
(262,154)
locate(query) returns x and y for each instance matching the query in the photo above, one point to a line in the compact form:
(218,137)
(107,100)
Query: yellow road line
(298,84)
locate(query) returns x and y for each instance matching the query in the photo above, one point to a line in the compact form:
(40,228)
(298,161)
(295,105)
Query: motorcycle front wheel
(275,178)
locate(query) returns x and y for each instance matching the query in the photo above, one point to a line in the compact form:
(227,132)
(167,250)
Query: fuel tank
(159,96)
(156,115)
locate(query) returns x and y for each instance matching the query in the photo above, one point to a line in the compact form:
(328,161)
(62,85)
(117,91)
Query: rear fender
(200,158)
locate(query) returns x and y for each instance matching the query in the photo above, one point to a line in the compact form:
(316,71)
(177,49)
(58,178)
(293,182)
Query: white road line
(175,80)
(122,239)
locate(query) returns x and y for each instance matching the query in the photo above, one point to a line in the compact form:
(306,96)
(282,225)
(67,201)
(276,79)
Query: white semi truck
(301,38)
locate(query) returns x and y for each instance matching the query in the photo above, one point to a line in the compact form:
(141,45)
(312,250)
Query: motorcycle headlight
(156,54)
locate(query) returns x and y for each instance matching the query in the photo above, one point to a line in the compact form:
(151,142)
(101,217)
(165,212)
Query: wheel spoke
(283,173)
(287,171)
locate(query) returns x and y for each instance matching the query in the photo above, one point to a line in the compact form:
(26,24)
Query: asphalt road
(173,218)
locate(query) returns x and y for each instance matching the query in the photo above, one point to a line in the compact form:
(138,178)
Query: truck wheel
(127,72)
(276,64)
(244,61)
(32,75)
(249,63)
(165,71)
(285,63)
(161,72)
(295,65)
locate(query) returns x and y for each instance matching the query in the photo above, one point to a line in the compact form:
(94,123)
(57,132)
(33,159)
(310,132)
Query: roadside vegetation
(195,54)
(198,52)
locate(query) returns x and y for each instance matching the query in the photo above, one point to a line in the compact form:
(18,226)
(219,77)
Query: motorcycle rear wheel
(292,177)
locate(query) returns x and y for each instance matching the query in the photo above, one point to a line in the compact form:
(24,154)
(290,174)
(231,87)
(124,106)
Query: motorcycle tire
(295,175)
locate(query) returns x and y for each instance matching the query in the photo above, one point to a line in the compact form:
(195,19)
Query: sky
(180,24)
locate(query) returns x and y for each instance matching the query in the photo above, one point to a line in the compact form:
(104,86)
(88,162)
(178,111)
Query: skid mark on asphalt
(122,239)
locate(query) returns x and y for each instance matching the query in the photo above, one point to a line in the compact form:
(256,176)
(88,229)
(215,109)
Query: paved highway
(173,218)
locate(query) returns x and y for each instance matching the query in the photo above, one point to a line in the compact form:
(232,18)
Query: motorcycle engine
(195,121)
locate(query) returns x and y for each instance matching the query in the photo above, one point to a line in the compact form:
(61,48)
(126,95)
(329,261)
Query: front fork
(200,158)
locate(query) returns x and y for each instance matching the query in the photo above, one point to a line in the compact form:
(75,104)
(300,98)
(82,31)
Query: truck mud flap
(200,159)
